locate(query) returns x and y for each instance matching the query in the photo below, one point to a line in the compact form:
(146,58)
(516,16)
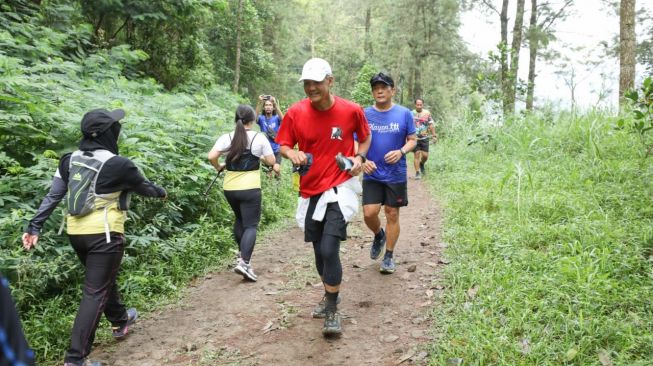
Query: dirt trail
(223,320)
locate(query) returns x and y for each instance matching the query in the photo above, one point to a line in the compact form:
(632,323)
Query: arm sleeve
(263,147)
(362,127)
(134,181)
(57,192)
(410,124)
(286,135)
(222,143)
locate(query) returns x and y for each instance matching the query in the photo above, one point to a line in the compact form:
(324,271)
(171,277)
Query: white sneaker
(245,270)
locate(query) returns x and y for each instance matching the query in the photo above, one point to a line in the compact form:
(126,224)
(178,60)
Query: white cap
(315,69)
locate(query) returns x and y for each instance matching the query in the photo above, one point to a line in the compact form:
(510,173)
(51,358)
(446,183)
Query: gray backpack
(82,179)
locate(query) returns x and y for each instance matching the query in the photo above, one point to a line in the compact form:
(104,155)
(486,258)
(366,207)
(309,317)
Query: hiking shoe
(121,332)
(332,324)
(245,270)
(387,265)
(418,176)
(84,363)
(378,247)
(320,309)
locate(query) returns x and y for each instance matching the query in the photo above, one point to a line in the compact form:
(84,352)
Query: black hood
(107,140)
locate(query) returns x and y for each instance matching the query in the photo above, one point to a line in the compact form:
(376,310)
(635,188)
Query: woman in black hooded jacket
(97,237)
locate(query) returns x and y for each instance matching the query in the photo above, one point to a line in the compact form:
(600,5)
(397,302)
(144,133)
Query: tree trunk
(237,66)
(626,48)
(504,53)
(532,56)
(368,41)
(417,81)
(513,76)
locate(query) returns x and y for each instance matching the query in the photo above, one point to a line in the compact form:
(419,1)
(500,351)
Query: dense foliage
(46,85)
(548,226)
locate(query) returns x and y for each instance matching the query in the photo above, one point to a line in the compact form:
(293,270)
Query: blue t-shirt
(389,132)
(270,127)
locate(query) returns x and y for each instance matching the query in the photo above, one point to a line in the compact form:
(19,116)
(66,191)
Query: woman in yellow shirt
(244,149)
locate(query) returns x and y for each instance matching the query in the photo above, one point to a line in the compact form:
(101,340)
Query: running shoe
(320,309)
(387,265)
(246,270)
(120,332)
(332,324)
(378,246)
(418,176)
(84,363)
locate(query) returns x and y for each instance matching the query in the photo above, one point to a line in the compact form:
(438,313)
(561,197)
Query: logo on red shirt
(336,133)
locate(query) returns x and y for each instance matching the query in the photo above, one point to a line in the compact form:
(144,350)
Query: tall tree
(540,32)
(238,26)
(532,55)
(368,40)
(509,98)
(505,66)
(627,44)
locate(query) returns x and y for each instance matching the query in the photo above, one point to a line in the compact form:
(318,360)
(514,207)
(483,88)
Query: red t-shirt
(323,134)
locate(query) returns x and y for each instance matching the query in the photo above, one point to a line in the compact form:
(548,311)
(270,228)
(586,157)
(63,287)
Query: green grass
(552,220)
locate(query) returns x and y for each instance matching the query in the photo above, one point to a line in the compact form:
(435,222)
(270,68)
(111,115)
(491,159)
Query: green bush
(43,94)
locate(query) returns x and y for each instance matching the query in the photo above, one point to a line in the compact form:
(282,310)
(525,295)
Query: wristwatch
(362,157)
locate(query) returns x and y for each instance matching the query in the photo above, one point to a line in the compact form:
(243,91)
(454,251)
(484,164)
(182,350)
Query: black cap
(382,78)
(95,122)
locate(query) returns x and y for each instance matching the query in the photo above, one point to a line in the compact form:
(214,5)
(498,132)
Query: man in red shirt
(324,125)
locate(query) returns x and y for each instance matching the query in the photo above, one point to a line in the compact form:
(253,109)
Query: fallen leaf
(455,361)
(429,293)
(604,358)
(571,354)
(268,326)
(407,356)
(443,261)
(525,346)
(472,292)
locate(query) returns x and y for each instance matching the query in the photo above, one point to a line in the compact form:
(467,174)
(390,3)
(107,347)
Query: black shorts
(333,224)
(422,145)
(392,195)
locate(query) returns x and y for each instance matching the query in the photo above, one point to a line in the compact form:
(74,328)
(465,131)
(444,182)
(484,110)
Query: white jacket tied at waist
(347,198)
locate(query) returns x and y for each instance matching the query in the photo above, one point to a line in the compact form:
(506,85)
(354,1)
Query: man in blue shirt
(270,121)
(384,182)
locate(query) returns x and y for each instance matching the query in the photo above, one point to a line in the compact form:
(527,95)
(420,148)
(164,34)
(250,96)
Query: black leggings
(101,261)
(246,205)
(327,259)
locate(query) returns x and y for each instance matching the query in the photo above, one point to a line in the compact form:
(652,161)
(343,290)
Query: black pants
(326,236)
(13,346)
(246,205)
(100,292)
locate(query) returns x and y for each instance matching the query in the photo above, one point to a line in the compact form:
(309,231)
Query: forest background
(548,210)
